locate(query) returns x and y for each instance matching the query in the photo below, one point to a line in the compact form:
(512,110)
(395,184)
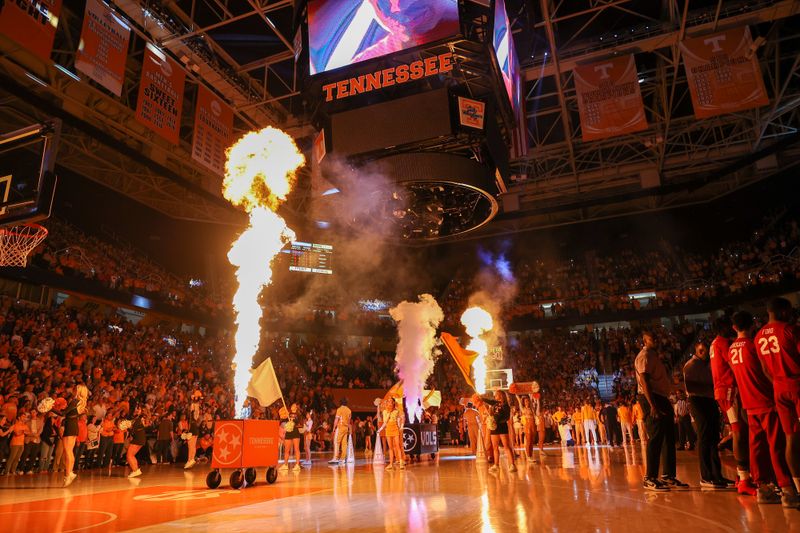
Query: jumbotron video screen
(344,32)
(506,54)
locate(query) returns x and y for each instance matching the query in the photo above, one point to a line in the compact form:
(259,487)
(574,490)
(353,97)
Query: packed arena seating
(586,285)
(118,265)
(593,284)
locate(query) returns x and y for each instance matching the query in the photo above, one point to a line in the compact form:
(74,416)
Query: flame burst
(478,322)
(259,175)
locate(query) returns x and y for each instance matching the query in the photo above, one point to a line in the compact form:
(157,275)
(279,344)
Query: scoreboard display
(311,257)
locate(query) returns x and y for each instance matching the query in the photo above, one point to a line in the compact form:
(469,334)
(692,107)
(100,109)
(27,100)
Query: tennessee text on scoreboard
(416,70)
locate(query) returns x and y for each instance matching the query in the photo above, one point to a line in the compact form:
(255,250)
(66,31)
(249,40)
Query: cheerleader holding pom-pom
(70,411)
(138,439)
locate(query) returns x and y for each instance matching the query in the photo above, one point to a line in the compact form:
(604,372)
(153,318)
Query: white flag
(264,385)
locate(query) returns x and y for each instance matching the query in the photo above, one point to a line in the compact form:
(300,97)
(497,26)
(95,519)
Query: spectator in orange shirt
(104,455)
(18,431)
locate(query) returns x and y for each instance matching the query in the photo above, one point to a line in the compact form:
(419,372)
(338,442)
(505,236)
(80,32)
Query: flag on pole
(431,398)
(264,385)
(463,358)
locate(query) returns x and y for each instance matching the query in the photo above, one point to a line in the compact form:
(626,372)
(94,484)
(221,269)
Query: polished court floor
(596,489)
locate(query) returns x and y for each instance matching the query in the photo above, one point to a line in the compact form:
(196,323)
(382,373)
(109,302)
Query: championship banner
(723,73)
(609,99)
(160,94)
(103,48)
(471,113)
(32,24)
(213,130)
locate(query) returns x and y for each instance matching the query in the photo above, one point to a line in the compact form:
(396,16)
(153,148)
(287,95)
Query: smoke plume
(416,327)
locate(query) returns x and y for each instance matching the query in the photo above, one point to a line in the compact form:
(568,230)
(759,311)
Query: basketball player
(767,441)
(777,344)
(728,399)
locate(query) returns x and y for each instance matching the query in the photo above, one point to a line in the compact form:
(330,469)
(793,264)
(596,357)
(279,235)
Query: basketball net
(16,242)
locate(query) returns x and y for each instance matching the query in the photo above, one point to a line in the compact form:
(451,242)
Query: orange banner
(359,400)
(161,94)
(213,130)
(31,23)
(609,99)
(103,49)
(723,73)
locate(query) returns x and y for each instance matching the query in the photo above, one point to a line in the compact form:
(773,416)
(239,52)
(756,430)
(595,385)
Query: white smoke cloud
(416,327)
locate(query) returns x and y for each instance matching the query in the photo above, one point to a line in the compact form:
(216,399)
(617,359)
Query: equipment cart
(244,445)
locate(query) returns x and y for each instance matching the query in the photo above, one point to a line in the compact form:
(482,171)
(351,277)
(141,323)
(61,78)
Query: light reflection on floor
(595,489)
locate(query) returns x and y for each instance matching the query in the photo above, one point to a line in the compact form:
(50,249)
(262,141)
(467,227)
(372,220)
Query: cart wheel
(237,479)
(213,479)
(272,475)
(250,476)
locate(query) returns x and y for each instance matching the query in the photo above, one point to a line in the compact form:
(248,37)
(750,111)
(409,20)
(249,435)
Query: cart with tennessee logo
(244,445)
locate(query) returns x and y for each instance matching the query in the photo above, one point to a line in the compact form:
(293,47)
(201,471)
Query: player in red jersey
(767,441)
(777,345)
(728,399)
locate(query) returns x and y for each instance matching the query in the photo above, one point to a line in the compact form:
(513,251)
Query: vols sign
(723,73)
(213,130)
(31,23)
(609,100)
(471,113)
(104,46)
(160,94)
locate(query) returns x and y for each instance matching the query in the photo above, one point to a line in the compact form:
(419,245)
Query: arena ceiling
(243,50)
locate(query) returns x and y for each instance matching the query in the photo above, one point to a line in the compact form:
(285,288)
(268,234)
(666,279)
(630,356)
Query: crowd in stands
(118,265)
(593,284)
(589,284)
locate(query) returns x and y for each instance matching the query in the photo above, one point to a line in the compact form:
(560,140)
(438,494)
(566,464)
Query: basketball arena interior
(399,265)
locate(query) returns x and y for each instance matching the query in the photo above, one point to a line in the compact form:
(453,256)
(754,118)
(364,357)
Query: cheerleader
(76,407)
(528,423)
(292,439)
(193,429)
(393,422)
(138,439)
(308,435)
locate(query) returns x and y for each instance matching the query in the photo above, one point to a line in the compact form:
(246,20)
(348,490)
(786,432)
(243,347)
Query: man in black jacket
(48,439)
(700,389)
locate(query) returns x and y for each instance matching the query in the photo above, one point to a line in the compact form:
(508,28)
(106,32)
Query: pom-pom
(124,425)
(46,405)
(60,404)
(186,435)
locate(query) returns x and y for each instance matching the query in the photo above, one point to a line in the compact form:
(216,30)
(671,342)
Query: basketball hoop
(16,242)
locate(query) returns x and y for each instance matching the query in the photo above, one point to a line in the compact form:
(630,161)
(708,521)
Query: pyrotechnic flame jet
(478,322)
(259,175)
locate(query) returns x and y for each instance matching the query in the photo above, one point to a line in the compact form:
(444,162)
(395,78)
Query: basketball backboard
(27,177)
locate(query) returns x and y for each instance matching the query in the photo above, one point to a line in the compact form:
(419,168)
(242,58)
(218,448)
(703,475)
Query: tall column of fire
(259,175)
